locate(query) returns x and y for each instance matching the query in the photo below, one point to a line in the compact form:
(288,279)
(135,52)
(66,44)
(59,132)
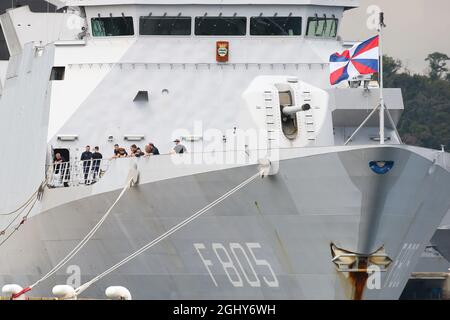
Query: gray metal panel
(441,240)
(432,261)
(10,34)
(35,6)
(351,106)
(25,121)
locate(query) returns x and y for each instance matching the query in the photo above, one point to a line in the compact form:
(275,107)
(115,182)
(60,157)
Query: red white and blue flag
(362,58)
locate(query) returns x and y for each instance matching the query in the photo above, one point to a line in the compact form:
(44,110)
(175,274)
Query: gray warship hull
(270,240)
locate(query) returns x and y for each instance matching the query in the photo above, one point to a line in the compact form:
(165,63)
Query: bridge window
(322,27)
(220,26)
(112,26)
(172,26)
(276,26)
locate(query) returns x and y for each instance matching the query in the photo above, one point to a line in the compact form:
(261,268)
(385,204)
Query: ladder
(309,118)
(272,126)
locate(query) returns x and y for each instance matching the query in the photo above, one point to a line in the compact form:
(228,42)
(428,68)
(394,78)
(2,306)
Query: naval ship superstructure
(245,88)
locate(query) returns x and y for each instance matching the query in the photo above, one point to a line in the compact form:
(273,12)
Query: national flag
(362,58)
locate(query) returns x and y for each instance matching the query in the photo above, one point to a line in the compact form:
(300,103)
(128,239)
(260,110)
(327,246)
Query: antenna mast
(382,106)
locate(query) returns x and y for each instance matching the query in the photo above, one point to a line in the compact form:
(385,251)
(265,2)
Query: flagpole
(382,106)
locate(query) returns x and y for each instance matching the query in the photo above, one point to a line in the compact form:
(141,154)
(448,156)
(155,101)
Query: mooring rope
(37,195)
(24,219)
(29,200)
(174,229)
(79,246)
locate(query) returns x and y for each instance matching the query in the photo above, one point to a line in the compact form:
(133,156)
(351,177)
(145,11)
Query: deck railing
(76,173)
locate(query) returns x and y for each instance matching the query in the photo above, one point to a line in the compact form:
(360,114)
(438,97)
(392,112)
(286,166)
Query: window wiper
(325,21)
(283,31)
(127,25)
(334,30)
(316,19)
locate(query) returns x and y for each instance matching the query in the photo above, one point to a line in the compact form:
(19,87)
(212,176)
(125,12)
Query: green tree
(425,120)
(438,65)
(391,66)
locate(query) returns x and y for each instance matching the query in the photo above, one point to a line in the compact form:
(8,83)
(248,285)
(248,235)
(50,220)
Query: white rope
(37,195)
(30,199)
(174,229)
(22,206)
(16,229)
(83,242)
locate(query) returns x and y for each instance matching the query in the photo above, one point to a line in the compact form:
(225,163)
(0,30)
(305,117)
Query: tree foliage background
(426,119)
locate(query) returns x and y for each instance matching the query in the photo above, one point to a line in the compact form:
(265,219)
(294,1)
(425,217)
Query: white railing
(75,173)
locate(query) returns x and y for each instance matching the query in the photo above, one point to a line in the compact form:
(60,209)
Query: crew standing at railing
(135,151)
(119,152)
(96,161)
(179,148)
(86,157)
(58,161)
(151,149)
(59,171)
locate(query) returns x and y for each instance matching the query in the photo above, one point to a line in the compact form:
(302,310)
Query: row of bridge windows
(214,26)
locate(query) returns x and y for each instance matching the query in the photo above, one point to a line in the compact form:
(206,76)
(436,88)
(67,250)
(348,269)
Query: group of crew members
(149,150)
(92,160)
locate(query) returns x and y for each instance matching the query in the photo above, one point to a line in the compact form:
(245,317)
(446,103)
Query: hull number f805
(240,264)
